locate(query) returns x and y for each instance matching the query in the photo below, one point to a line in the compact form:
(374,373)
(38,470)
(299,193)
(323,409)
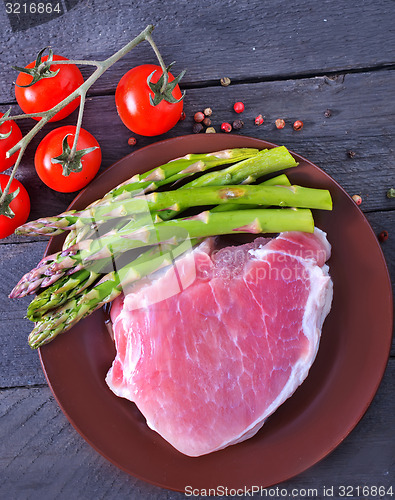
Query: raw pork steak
(206,366)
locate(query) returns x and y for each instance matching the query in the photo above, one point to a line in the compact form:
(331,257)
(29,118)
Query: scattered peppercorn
(238,124)
(298,125)
(207,121)
(351,154)
(198,117)
(208,112)
(391,193)
(383,236)
(225,81)
(280,123)
(357,199)
(210,130)
(328,113)
(197,128)
(183,116)
(226,127)
(238,107)
(259,120)
(132,141)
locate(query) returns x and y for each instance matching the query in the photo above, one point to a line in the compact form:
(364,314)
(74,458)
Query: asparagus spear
(43,275)
(71,238)
(141,183)
(182,167)
(189,163)
(279,180)
(181,199)
(60,292)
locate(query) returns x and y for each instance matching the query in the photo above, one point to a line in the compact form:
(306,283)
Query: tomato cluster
(59,165)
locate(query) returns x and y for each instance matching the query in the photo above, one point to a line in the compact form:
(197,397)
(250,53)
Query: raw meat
(211,348)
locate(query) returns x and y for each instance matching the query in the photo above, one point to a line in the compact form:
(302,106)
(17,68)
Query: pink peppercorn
(226,127)
(238,107)
(298,125)
(357,199)
(280,123)
(259,120)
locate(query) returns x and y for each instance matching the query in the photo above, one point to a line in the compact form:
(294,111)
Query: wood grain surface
(290,60)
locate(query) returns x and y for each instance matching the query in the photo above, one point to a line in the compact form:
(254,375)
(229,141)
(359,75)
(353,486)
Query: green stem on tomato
(81,62)
(161,62)
(12,175)
(78,127)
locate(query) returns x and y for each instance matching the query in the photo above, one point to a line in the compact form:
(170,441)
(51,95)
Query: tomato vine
(45,116)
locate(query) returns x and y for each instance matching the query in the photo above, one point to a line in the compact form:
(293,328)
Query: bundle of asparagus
(74,282)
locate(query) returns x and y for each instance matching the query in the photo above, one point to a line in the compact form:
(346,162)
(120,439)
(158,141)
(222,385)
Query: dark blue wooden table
(291,60)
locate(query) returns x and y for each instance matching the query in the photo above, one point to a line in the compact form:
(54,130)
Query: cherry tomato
(8,143)
(46,93)
(20,205)
(134,107)
(52,173)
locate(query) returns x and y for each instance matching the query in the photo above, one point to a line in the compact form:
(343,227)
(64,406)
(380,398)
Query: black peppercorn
(238,124)
(197,128)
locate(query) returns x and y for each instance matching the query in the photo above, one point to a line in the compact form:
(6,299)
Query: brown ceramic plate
(342,382)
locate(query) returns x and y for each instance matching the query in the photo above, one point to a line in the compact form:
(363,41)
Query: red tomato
(52,173)
(134,107)
(46,93)
(20,205)
(8,143)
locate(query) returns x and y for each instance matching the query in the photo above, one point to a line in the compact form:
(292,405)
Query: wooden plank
(360,106)
(385,221)
(242,40)
(19,365)
(42,456)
